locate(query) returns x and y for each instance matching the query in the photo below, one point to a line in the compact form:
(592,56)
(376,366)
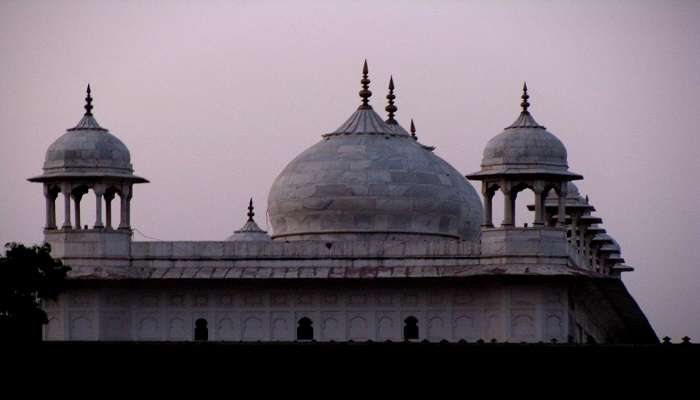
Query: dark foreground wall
(372,355)
(336,371)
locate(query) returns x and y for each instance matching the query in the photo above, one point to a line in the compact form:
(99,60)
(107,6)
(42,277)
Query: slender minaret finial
(391,108)
(250,210)
(88,102)
(525,96)
(413,130)
(586,199)
(365,93)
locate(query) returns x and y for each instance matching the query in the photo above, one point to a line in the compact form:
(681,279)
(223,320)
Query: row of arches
(508,192)
(104,193)
(305,329)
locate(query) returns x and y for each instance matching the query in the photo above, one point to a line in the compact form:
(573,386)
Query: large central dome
(369,179)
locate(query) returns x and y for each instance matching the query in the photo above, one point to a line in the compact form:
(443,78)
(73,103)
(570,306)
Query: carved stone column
(99,191)
(109,196)
(65,189)
(77,196)
(508,205)
(562,205)
(586,248)
(539,203)
(125,197)
(602,263)
(50,207)
(575,232)
(128,208)
(594,258)
(54,196)
(488,205)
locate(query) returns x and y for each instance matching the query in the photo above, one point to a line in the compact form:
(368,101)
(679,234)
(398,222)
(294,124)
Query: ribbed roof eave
(363,122)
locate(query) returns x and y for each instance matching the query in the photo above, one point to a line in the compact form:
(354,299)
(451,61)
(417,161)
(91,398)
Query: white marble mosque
(374,237)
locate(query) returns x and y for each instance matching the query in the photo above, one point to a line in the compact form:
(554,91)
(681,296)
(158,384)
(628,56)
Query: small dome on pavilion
(572,191)
(574,200)
(250,231)
(612,247)
(602,238)
(88,150)
(525,147)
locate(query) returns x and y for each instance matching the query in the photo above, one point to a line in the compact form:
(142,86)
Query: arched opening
(112,208)
(51,196)
(201,332)
(551,202)
(305,330)
(524,196)
(63,213)
(523,216)
(77,194)
(88,208)
(497,202)
(410,328)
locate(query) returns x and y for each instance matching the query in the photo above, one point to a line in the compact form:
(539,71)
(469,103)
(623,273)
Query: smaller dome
(574,200)
(525,147)
(572,194)
(612,247)
(602,238)
(88,150)
(614,253)
(250,231)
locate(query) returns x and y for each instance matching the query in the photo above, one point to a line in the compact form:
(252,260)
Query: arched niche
(305,330)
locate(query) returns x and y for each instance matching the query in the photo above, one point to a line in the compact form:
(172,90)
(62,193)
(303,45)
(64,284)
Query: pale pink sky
(213,99)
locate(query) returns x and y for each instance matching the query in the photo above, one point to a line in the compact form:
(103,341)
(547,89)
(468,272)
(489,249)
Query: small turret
(250,231)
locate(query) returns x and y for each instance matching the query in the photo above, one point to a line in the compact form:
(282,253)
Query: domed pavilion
(88,157)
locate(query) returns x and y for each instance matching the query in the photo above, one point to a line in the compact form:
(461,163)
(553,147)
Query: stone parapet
(516,251)
(301,249)
(112,246)
(525,245)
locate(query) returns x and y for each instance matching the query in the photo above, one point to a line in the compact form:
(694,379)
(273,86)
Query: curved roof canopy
(87,151)
(525,148)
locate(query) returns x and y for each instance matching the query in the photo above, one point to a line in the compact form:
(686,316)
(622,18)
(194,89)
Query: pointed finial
(391,108)
(525,96)
(250,210)
(586,199)
(88,102)
(413,130)
(365,93)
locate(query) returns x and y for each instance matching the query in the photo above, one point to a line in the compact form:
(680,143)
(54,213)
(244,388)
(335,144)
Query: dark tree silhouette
(28,275)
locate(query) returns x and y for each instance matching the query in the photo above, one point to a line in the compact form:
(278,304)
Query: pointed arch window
(305,329)
(201,331)
(410,328)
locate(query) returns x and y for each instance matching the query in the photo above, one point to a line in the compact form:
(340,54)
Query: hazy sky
(214,98)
